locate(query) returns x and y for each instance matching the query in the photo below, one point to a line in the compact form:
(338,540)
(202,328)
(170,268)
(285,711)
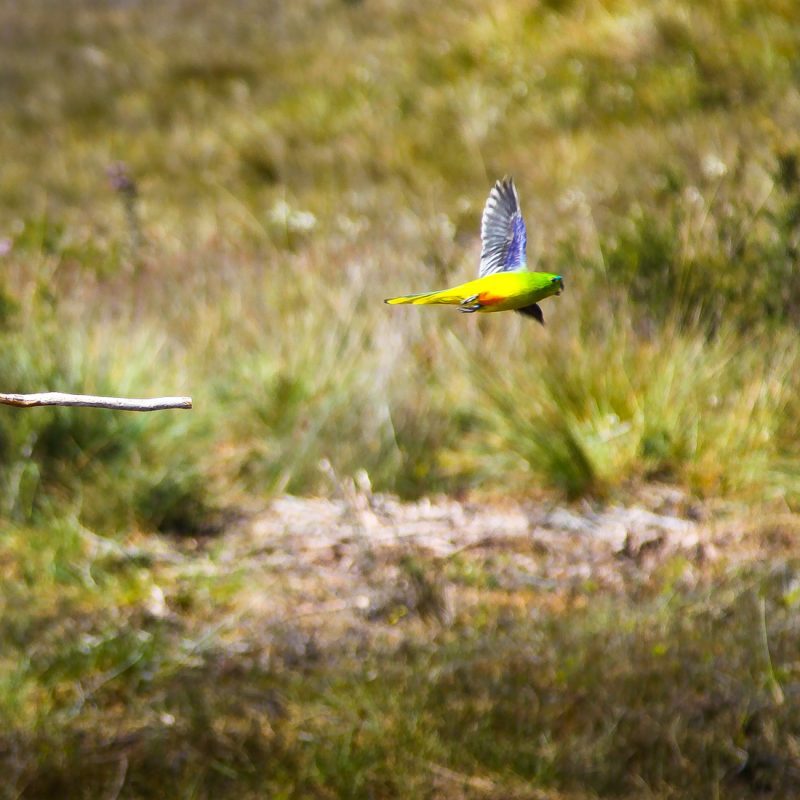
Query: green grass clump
(714,253)
(115,470)
(678,406)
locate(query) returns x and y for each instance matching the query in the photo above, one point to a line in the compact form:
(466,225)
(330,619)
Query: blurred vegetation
(223,215)
(214,200)
(676,687)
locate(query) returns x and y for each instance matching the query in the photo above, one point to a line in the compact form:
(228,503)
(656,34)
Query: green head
(557,282)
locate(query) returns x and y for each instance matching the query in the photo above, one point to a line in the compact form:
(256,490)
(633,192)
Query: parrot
(504,282)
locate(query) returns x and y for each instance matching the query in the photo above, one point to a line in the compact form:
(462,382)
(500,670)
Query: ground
(365,647)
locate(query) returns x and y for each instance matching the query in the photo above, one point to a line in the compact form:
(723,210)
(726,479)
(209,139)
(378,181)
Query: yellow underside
(503,291)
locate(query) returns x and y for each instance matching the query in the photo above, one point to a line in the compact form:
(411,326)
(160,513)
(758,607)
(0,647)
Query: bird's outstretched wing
(503,235)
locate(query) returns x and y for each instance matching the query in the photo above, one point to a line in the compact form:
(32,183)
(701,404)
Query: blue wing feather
(515,255)
(503,235)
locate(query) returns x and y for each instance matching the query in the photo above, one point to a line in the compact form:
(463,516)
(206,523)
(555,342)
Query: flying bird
(504,282)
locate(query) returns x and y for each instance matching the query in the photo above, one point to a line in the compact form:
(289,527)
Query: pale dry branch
(92,401)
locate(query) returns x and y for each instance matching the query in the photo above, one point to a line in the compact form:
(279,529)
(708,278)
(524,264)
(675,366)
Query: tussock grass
(113,470)
(676,406)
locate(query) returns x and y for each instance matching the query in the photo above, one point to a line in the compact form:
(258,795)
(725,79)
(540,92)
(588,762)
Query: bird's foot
(469,305)
(533,311)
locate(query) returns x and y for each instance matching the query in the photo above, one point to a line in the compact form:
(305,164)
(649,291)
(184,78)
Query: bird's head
(558,283)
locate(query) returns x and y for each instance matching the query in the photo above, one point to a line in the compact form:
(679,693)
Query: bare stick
(118,403)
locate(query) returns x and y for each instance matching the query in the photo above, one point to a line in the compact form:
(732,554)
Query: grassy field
(214,199)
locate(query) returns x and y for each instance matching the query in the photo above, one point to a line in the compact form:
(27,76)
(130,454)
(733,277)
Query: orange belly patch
(487,299)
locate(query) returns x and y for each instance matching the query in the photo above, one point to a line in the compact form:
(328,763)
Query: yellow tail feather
(426,298)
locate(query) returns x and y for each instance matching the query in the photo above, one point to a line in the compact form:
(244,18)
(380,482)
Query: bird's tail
(445,297)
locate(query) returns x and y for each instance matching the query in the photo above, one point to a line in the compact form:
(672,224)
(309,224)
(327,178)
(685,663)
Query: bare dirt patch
(364,559)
